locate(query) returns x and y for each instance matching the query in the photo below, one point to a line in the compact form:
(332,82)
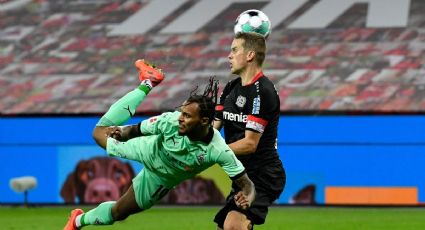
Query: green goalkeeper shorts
(148,186)
(148,189)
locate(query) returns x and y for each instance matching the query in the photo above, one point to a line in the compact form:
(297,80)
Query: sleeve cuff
(237,176)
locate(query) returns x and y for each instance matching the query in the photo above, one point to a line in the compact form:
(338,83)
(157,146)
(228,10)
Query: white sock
(147,83)
(78,221)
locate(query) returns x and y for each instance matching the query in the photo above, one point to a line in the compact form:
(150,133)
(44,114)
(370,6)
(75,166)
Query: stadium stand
(56,57)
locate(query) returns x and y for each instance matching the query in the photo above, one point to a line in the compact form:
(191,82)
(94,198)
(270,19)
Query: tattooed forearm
(134,132)
(129,131)
(247,187)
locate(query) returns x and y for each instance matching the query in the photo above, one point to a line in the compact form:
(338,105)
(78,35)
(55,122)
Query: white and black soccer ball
(253,21)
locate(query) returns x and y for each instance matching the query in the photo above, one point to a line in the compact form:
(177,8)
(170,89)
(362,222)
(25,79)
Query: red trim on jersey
(258,120)
(256,77)
(219,108)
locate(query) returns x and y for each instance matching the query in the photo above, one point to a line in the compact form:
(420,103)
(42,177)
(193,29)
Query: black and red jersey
(252,107)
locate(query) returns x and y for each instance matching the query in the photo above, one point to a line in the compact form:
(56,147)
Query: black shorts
(269,184)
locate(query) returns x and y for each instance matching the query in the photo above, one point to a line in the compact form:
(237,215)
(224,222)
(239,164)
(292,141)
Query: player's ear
(250,56)
(205,121)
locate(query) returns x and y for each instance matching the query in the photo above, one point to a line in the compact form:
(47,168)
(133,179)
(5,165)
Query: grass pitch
(280,218)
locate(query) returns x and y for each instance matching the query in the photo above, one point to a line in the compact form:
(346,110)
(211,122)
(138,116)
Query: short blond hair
(255,42)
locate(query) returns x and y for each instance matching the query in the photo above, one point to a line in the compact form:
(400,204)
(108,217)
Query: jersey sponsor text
(235,117)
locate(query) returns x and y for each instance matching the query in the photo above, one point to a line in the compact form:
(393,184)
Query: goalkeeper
(173,147)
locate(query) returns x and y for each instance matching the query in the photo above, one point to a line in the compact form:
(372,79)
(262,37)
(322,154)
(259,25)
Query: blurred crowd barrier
(61,57)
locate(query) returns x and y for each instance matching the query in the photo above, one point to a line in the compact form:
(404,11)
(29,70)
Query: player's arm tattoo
(129,131)
(247,187)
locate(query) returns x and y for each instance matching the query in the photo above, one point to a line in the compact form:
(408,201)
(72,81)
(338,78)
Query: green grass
(280,218)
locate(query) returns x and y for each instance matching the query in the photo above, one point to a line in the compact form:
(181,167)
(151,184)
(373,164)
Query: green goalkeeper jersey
(174,157)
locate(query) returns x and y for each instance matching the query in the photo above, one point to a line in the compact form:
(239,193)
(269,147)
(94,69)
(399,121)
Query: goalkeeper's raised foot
(149,72)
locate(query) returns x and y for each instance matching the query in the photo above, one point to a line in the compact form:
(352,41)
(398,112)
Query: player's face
(237,56)
(189,120)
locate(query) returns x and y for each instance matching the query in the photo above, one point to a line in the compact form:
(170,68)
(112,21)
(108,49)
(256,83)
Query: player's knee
(237,225)
(237,221)
(231,225)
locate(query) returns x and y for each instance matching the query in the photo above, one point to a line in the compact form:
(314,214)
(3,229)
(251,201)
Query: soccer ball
(253,21)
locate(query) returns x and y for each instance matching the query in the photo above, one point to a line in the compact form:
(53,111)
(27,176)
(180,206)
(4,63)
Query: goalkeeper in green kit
(173,147)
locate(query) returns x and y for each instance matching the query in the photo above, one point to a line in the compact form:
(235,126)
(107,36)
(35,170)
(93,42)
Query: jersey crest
(240,101)
(201,158)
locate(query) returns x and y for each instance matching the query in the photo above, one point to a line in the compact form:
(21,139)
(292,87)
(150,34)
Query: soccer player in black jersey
(249,112)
